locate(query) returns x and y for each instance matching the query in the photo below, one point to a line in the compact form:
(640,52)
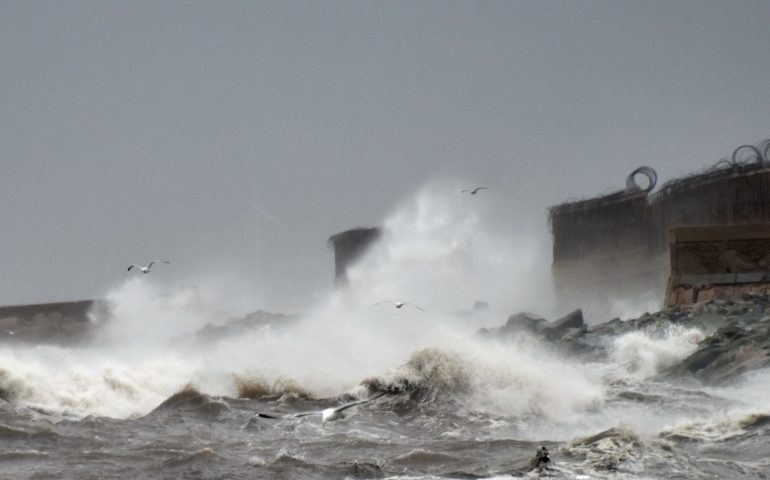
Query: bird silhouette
(148,268)
(327,415)
(399,304)
(474,191)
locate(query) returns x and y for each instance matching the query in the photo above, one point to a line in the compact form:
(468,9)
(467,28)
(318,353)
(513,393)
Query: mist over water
(436,252)
(440,251)
(444,250)
(640,355)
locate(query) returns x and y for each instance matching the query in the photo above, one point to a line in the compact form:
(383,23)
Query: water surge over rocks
(170,384)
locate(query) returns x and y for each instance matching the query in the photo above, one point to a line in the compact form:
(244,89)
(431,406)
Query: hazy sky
(244,134)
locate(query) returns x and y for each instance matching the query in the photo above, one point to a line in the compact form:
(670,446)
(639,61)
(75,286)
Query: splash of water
(443,253)
(436,251)
(641,355)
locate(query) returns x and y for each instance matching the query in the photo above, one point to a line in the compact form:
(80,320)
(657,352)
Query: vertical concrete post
(348,247)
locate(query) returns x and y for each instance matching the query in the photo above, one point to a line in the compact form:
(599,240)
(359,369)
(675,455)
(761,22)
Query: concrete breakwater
(77,322)
(618,243)
(56,323)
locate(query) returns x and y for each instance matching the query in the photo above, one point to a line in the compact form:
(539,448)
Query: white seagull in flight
(475,190)
(148,267)
(327,415)
(400,304)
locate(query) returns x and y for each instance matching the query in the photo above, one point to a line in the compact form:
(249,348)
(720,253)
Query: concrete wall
(348,247)
(56,323)
(731,196)
(618,243)
(615,222)
(718,261)
(635,220)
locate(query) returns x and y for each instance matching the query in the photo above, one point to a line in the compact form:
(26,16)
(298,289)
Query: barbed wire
(723,167)
(737,164)
(649,172)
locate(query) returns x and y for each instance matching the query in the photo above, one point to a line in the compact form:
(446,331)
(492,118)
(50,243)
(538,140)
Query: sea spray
(507,379)
(431,254)
(89,382)
(458,404)
(741,406)
(641,355)
(443,253)
(434,253)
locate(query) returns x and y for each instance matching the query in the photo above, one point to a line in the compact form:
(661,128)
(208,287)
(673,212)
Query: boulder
(571,320)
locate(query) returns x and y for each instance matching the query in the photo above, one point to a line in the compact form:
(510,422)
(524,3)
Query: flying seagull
(400,304)
(475,190)
(327,415)
(148,267)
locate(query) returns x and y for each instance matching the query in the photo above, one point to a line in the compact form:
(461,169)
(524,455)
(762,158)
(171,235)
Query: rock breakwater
(736,335)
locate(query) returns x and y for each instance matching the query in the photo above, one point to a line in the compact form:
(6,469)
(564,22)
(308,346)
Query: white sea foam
(640,355)
(445,254)
(735,405)
(437,252)
(89,382)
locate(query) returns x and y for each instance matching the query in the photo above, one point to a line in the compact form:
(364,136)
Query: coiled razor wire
(764,147)
(752,148)
(649,172)
(737,163)
(722,167)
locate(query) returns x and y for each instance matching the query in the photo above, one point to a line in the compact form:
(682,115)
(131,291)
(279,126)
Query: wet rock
(607,450)
(710,320)
(572,334)
(615,326)
(573,319)
(541,459)
(737,335)
(571,325)
(365,470)
(527,321)
(567,327)
(516,323)
(738,347)
(243,325)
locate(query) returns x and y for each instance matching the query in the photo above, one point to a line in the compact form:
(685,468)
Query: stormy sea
(479,375)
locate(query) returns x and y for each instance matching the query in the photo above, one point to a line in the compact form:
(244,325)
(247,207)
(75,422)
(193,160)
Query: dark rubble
(737,335)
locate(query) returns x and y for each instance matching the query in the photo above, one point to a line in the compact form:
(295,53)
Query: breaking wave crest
(641,355)
(190,400)
(503,382)
(437,251)
(253,387)
(429,375)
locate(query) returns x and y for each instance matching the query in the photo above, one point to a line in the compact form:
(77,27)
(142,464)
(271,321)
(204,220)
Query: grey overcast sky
(244,134)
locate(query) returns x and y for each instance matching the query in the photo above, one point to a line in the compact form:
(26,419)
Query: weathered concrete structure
(55,323)
(616,245)
(348,247)
(718,261)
